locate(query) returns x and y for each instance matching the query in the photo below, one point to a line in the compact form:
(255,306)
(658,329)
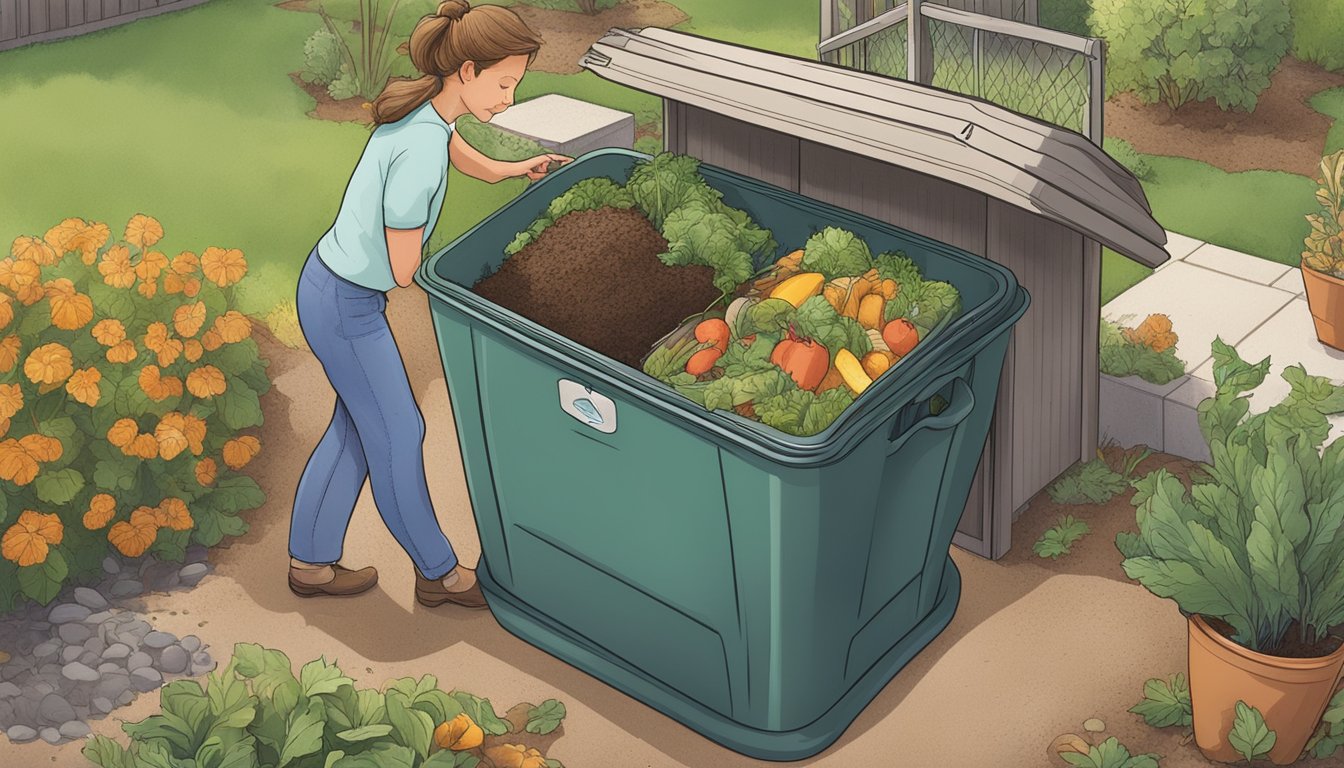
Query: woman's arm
(404,247)
(475,164)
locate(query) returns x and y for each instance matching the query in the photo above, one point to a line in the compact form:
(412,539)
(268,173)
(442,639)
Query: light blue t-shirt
(398,183)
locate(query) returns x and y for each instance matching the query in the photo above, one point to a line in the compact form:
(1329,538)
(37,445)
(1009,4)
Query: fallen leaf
(1069,742)
(1094,725)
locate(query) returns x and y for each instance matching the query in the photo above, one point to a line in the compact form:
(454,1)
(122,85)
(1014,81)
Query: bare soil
(594,277)
(344,111)
(567,35)
(1293,646)
(1283,133)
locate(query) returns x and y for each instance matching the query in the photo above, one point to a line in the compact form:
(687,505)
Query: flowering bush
(126,382)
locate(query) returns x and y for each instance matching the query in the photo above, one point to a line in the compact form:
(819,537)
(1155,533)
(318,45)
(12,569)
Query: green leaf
(836,252)
(817,319)
(365,733)
(42,582)
(268,669)
(228,749)
(107,753)
(333,757)
(114,475)
(1233,375)
(1091,483)
(728,391)
(897,266)
(1249,735)
(130,401)
(770,316)
(237,493)
(1131,544)
(553,763)
(304,734)
(239,406)
(449,759)
(1166,703)
(58,487)
(410,727)
(545,717)
(481,712)
(33,324)
(231,704)
(318,676)
(381,756)
(1059,540)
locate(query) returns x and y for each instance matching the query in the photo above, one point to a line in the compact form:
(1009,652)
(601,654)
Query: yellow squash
(870,311)
(799,288)
(852,371)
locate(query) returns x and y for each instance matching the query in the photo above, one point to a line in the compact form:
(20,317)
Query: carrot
(702,361)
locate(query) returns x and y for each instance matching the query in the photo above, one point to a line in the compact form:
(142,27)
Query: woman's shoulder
(416,136)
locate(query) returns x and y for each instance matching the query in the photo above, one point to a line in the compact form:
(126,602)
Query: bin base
(534,628)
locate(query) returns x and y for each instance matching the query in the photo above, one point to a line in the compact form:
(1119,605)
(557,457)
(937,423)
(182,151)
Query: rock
(102,705)
(79,698)
(197,553)
(50,671)
(76,730)
(193,573)
(116,651)
(191,643)
(71,653)
(39,690)
(68,612)
(110,566)
(158,639)
(1094,725)
(47,650)
(146,679)
(75,634)
(95,645)
(108,666)
(50,735)
(174,660)
(90,599)
(127,588)
(201,663)
(55,710)
(138,660)
(98,618)
(137,629)
(161,577)
(9,690)
(21,734)
(125,698)
(113,685)
(89,658)
(80,672)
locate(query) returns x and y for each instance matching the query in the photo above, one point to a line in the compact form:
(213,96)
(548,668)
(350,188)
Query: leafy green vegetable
(1249,735)
(936,300)
(697,235)
(1110,754)
(1165,703)
(1059,540)
(816,319)
(897,266)
(836,252)
(768,316)
(740,360)
(545,717)
(731,391)
(1091,483)
(1121,357)
(1329,737)
(664,183)
(803,413)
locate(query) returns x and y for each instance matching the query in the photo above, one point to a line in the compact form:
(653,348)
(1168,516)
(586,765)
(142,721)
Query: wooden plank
(751,150)
(24,24)
(9,19)
(74,12)
(37,17)
(1091,365)
(923,204)
(147,4)
(56,14)
(93,11)
(24,36)
(129,6)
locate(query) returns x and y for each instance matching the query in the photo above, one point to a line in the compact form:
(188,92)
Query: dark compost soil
(1292,647)
(594,277)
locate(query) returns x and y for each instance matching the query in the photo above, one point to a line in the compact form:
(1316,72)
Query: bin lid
(1050,171)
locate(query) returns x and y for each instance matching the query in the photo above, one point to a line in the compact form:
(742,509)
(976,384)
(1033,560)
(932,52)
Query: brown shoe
(431,593)
(343,582)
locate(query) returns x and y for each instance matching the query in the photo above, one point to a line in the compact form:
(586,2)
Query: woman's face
(490,91)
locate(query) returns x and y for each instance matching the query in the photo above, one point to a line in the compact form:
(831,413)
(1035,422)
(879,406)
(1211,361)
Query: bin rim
(971,330)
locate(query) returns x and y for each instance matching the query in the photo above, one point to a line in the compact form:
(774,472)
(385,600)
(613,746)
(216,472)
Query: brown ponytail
(444,41)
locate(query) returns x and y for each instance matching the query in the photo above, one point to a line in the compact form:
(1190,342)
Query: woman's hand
(536,168)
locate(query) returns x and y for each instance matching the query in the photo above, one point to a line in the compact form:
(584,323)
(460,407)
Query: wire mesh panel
(847,13)
(887,53)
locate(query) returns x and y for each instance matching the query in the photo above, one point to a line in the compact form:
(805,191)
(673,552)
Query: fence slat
(56,15)
(74,13)
(9,19)
(93,10)
(129,6)
(145,4)
(37,17)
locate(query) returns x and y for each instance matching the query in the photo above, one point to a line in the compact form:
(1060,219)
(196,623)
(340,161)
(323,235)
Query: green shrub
(1318,32)
(1065,15)
(1177,51)
(1147,351)
(1059,540)
(590,7)
(322,58)
(258,713)
(1125,154)
(366,64)
(126,382)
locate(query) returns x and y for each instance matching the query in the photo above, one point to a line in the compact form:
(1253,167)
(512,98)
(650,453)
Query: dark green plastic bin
(758,587)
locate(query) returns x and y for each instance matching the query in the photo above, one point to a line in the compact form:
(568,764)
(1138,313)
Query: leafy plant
(1329,737)
(817,319)
(1258,543)
(127,381)
(1325,251)
(322,58)
(589,7)
(1166,703)
(1147,351)
(1177,51)
(664,183)
(258,713)
(545,717)
(1125,154)
(1318,26)
(836,252)
(649,145)
(1249,735)
(369,60)
(1093,482)
(1059,539)
(1110,754)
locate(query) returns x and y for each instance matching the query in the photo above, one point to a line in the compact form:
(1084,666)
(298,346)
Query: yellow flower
(31,249)
(109,332)
(131,540)
(143,231)
(83,386)
(185,263)
(88,240)
(188,318)
(194,428)
(206,381)
(192,349)
(144,446)
(206,472)
(174,514)
(48,364)
(239,451)
(116,268)
(102,508)
(122,352)
(122,433)
(9,352)
(6,310)
(171,436)
(151,266)
(233,326)
(71,312)
(223,268)
(11,400)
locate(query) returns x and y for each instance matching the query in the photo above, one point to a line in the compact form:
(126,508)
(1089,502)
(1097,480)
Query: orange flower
(109,332)
(173,284)
(41,448)
(19,275)
(122,432)
(239,451)
(151,266)
(48,364)
(28,248)
(193,350)
(146,517)
(88,240)
(9,353)
(185,263)
(188,318)
(223,268)
(24,546)
(131,540)
(515,756)
(206,472)
(4,427)
(48,526)
(83,386)
(71,312)
(145,446)
(143,231)
(11,400)
(148,289)
(6,310)
(115,267)
(211,340)
(206,381)
(191,287)
(155,335)
(102,508)
(123,352)
(194,428)
(16,465)
(30,294)
(157,386)
(173,513)
(60,236)
(233,326)
(458,734)
(61,286)
(171,437)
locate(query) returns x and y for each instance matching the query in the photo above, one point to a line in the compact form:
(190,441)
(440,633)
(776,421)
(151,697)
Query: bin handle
(960,405)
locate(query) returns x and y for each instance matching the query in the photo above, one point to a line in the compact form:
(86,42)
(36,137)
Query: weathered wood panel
(56,15)
(93,10)
(769,156)
(37,17)
(74,12)
(130,6)
(38,21)
(9,19)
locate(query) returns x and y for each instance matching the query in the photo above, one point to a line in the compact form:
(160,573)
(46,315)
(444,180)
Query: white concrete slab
(1180,420)
(1291,282)
(1180,246)
(568,126)
(1237,264)
(1202,304)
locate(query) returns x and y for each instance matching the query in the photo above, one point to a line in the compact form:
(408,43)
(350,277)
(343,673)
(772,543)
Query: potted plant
(1323,260)
(1253,555)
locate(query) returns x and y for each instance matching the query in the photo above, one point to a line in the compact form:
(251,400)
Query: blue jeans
(377,431)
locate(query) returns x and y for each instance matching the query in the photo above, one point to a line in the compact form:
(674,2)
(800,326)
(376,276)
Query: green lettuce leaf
(836,252)
(816,319)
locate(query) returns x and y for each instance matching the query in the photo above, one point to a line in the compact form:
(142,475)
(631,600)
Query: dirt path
(1283,133)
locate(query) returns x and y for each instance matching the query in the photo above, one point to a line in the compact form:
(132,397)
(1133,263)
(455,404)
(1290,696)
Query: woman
(472,60)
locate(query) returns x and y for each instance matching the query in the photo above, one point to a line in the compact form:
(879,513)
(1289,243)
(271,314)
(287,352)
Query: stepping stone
(90,599)
(21,734)
(68,612)
(1237,264)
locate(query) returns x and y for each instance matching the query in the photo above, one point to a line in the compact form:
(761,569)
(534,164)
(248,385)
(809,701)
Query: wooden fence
(36,21)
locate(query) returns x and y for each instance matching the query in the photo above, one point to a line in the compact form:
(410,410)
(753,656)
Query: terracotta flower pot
(1291,694)
(1325,296)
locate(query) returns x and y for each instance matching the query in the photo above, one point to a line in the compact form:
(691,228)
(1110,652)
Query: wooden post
(828,14)
(919,53)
